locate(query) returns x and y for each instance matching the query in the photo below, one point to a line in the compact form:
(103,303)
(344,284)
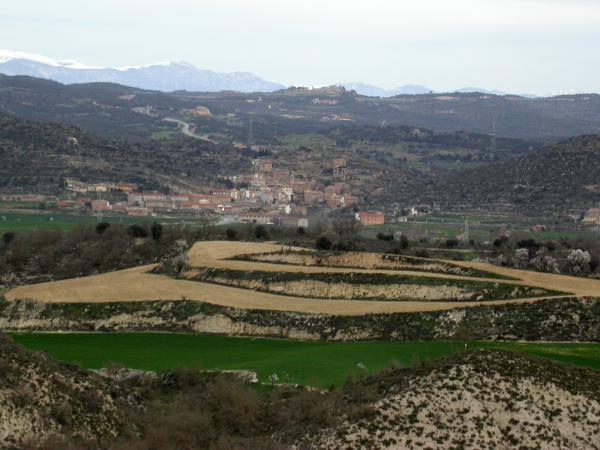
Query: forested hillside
(559,177)
(116,111)
(37,157)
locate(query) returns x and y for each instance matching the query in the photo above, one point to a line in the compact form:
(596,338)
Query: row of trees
(49,254)
(564,256)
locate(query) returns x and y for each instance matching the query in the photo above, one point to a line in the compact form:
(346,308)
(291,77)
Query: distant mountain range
(174,76)
(167,76)
(414,89)
(376,91)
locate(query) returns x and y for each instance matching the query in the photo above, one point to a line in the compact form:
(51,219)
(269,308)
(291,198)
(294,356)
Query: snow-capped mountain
(173,76)
(165,76)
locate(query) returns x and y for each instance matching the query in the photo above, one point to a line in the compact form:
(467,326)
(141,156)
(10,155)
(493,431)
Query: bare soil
(137,284)
(358,260)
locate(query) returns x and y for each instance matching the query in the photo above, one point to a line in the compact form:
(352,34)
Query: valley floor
(313,363)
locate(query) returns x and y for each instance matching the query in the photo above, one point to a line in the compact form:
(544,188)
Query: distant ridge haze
(172,76)
(164,76)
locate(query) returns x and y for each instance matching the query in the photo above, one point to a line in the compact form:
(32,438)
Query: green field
(163,135)
(310,140)
(316,363)
(31,222)
(62,221)
(431,230)
(443,226)
(59,221)
(587,355)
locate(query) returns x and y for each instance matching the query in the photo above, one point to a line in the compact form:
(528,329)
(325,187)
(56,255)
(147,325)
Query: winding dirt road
(186,129)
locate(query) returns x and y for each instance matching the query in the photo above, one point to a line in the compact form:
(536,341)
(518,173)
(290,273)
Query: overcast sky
(525,46)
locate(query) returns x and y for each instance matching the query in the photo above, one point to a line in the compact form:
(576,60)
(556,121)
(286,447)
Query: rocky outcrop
(365,286)
(483,399)
(40,398)
(474,399)
(364,260)
(571,319)
(350,291)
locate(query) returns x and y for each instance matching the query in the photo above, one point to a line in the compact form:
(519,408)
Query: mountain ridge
(376,91)
(121,112)
(162,76)
(170,76)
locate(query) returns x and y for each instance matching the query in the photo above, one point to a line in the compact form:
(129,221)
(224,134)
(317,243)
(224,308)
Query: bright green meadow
(306,362)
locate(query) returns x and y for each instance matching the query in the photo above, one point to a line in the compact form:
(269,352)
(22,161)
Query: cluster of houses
(268,196)
(591,218)
(26,198)
(282,186)
(83,188)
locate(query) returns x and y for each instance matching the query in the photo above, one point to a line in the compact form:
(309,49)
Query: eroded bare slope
(481,400)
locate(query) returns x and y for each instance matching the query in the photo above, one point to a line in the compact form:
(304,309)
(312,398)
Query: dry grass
(213,254)
(137,285)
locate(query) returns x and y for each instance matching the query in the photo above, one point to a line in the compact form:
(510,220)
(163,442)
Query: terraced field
(366,286)
(398,285)
(382,261)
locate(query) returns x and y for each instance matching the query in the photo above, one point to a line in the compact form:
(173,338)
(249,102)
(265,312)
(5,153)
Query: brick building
(370,218)
(100,205)
(265,165)
(339,166)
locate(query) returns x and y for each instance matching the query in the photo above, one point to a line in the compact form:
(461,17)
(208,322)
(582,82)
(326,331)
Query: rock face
(350,291)
(40,397)
(361,286)
(576,319)
(485,399)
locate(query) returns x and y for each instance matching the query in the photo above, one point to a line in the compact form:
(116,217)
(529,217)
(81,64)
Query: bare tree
(346,227)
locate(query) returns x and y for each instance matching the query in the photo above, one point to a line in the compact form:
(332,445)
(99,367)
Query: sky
(524,46)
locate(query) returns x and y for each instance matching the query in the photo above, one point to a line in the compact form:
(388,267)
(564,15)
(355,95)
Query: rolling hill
(557,178)
(413,165)
(116,111)
(37,157)
(300,129)
(476,399)
(481,399)
(55,398)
